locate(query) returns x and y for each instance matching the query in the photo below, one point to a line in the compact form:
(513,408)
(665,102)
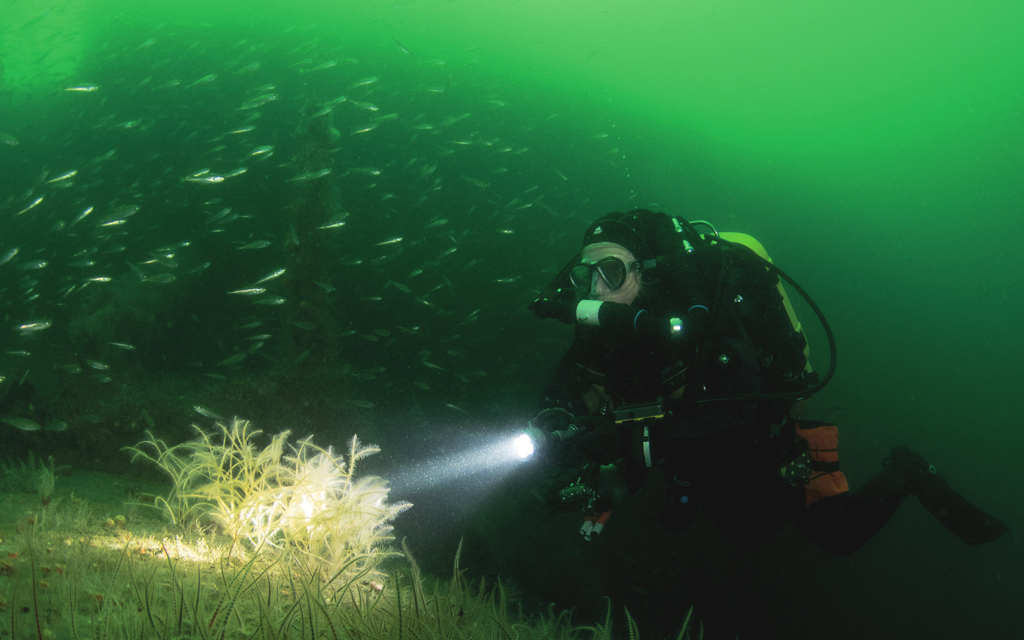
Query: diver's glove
(561,310)
(623,318)
(602,442)
(551,419)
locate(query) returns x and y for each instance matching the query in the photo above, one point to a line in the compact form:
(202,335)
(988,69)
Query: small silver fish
(270,300)
(63,176)
(79,217)
(34,204)
(258,244)
(33,327)
(206,412)
(23,423)
(311,175)
(209,179)
(204,80)
(277,273)
(332,225)
(4,259)
(401,47)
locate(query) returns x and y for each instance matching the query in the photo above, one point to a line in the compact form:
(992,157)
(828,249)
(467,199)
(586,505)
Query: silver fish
(23,423)
(63,176)
(33,327)
(270,300)
(277,273)
(31,206)
(7,256)
(206,412)
(258,244)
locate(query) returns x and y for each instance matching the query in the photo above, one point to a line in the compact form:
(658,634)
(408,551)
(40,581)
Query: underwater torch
(533,441)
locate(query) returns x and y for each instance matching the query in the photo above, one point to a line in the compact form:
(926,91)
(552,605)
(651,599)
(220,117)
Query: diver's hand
(551,419)
(603,442)
(562,310)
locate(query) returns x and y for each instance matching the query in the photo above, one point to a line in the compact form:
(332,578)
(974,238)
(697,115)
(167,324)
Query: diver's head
(607,272)
(615,254)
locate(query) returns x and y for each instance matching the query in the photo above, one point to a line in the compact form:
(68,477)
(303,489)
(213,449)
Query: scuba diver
(688,357)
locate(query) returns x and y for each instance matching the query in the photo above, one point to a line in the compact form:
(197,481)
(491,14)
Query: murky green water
(420,170)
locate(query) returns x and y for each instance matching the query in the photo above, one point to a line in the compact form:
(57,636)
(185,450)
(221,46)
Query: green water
(876,149)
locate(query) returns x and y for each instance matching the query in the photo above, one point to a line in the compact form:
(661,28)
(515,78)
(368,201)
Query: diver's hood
(655,239)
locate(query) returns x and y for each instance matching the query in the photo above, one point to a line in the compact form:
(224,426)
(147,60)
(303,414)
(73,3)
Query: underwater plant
(44,480)
(308,502)
(27,478)
(18,477)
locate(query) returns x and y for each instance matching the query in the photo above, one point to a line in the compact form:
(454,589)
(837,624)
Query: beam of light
(485,463)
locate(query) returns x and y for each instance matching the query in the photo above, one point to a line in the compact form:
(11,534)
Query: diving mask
(612,270)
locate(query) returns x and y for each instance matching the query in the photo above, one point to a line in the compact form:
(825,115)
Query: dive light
(533,441)
(623,317)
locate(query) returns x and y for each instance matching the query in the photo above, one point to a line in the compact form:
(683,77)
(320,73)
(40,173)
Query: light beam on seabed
(484,463)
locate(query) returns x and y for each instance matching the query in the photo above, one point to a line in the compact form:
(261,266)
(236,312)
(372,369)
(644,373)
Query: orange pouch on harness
(826,479)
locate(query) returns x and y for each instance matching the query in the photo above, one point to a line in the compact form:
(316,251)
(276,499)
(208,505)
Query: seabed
(102,562)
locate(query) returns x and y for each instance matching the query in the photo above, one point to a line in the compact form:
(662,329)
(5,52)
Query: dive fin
(963,519)
(952,510)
